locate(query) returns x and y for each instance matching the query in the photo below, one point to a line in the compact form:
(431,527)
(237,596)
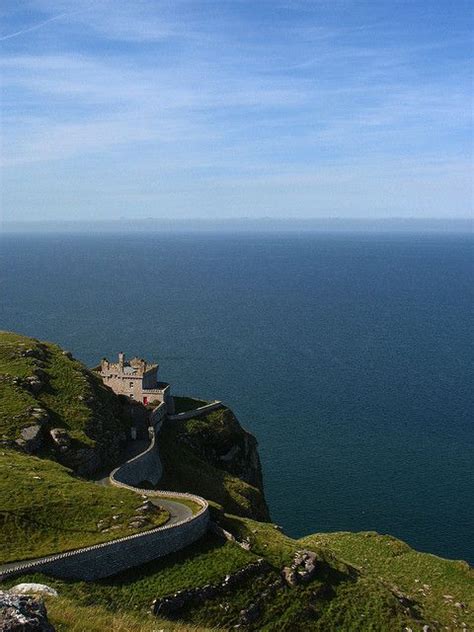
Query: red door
(145,400)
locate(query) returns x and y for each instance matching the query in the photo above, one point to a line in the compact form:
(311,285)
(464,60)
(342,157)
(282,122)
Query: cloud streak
(35,27)
(231,96)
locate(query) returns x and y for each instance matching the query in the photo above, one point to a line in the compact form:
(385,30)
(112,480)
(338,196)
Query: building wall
(150,379)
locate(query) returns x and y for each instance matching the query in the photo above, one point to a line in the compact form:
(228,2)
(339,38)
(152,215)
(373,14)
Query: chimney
(121,359)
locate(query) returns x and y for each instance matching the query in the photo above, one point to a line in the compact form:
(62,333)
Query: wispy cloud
(230,94)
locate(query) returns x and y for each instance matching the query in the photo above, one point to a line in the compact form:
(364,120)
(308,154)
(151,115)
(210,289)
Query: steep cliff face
(221,440)
(215,457)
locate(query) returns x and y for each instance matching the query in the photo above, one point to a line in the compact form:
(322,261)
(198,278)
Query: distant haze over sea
(245,224)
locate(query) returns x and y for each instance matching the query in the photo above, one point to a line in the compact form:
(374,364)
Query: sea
(348,356)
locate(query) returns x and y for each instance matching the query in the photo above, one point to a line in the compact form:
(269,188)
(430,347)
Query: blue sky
(232,108)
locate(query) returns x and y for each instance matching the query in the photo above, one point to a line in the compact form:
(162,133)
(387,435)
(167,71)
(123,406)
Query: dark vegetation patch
(190,455)
(185,404)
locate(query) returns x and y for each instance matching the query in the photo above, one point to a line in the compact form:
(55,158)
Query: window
(131,395)
(131,384)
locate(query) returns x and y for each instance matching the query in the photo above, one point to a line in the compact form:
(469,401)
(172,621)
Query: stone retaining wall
(147,465)
(196,412)
(102,560)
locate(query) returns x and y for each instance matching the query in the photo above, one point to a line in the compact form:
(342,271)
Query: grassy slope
(74,397)
(55,511)
(186,469)
(424,577)
(45,509)
(339,598)
(132,592)
(69,616)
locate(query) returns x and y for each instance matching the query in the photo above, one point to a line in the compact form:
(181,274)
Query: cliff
(214,457)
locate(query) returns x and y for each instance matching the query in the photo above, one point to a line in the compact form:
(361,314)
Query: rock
(302,570)
(250,614)
(103,525)
(289,575)
(60,438)
(84,461)
(33,589)
(22,613)
(171,605)
(228,456)
(147,507)
(31,438)
(34,384)
(40,415)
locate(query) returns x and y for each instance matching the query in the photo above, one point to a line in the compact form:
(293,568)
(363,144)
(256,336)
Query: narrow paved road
(176,510)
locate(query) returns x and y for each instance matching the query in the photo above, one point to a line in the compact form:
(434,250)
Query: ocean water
(349,356)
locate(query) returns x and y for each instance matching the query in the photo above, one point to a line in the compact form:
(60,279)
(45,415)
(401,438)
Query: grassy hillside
(184,404)
(341,596)
(44,509)
(443,588)
(40,384)
(69,616)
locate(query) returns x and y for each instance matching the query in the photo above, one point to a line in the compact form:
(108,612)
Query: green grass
(45,509)
(68,616)
(424,577)
(73,397)
(184,404)
(338,598)
(207,561)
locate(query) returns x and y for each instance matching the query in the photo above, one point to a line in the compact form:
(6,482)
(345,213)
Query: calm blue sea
(349,356)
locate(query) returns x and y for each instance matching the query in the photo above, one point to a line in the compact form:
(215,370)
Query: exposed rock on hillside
(21,613)
(222,441)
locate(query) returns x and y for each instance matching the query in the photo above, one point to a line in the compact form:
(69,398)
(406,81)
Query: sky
(236,108)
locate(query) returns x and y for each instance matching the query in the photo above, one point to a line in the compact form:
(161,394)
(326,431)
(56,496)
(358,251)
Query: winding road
(179,512)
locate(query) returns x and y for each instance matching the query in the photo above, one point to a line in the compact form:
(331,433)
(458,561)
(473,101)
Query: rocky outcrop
(232,449)
(23,613)
(31,438)
(57,407)
(216,445)
(302,570)
(60,438)
(33,589)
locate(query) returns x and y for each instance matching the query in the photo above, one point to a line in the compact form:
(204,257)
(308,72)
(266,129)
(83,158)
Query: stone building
(136,379)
